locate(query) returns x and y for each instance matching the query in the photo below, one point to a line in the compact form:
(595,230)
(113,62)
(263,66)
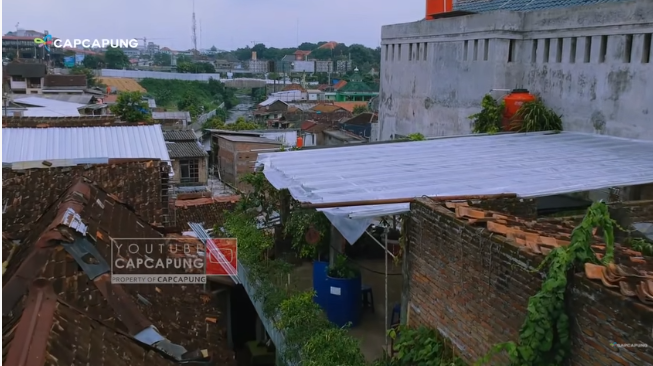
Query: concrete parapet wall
(593,65)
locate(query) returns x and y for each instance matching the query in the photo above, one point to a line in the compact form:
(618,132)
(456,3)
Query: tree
(162,59)
(116,59)
(91,81)
(183,58)
(191,103)
(131,107)
(92,62)
(360,109)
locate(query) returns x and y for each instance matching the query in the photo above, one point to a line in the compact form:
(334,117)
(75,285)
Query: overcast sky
(227,24)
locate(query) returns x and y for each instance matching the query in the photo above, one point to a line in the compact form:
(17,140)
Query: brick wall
(208,211)
(473,287)
(28,193)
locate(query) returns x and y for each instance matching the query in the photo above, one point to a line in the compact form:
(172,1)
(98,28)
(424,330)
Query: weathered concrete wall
(593,65)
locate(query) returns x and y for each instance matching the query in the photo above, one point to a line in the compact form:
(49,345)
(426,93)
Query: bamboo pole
(407,200)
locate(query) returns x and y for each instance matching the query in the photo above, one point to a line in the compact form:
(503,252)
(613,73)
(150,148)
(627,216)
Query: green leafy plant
(300,221)
(536,116)
(544,336)
(419,346)
(640,245)
(309,338)
(488,120)
(416,137)
(342,268)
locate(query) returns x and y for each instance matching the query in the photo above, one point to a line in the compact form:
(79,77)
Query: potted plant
(344,298)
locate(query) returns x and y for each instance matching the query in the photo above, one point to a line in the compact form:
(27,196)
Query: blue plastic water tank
(320,284)
(344,301)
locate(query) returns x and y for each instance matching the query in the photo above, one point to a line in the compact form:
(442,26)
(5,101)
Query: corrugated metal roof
(527,164)
(522,5)
(71,98)
(46,102)
(179,135)
(51,112)
(185,149)
(171,115)
(257,140)
(56,143)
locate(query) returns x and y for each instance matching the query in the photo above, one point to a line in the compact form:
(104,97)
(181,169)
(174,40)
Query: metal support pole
(385,239)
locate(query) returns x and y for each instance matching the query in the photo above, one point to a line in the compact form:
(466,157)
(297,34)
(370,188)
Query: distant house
(335,138)
(64,84)
(236,156)
(26,78)
(189,160)
(172,120)
(360,125)
(312,133)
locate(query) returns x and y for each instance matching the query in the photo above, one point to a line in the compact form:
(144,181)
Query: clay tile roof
(307,125)
(349,106)
(327,108)
(293,87)
(179,135)
(329,45)
(631,273)
(86,217)
(339,84)
(185,149)
(76,121)
(302,53)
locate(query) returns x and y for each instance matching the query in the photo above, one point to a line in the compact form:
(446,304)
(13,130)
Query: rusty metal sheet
(126,310)
(29,345)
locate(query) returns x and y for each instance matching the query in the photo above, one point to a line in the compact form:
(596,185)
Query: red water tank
(435,7)
(513,102)
(300,142)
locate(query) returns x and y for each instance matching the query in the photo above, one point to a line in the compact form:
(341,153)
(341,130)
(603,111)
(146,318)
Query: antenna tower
(194,35)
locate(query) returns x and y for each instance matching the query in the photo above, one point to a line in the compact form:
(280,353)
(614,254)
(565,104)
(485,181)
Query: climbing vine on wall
(544,336)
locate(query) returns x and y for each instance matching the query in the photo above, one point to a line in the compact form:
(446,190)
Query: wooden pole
(407,200)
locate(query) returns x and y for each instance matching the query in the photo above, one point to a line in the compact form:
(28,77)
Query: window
(547,49)
(17,78)
(189,171)
(572,50)
(410,52)
(475,49)
(424,52)
(486,49)
(465,50)
(603,50)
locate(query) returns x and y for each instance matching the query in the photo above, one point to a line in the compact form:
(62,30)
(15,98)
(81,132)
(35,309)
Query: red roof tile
(307,125)
(631,274)
(85,215)
(339,84)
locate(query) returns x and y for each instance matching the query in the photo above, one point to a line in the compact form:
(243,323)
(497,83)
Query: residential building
(172,120)
(360,125)
(64,84)
(189,160)
(315,95)
(131,52)
(26,78)
(152,48)
(312,133)
(324,66)
(222,64)
(567,55)
(356,90)
(236,156)
(257,66)
(339,137)
(342,66)
(304,66)
(301,55)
